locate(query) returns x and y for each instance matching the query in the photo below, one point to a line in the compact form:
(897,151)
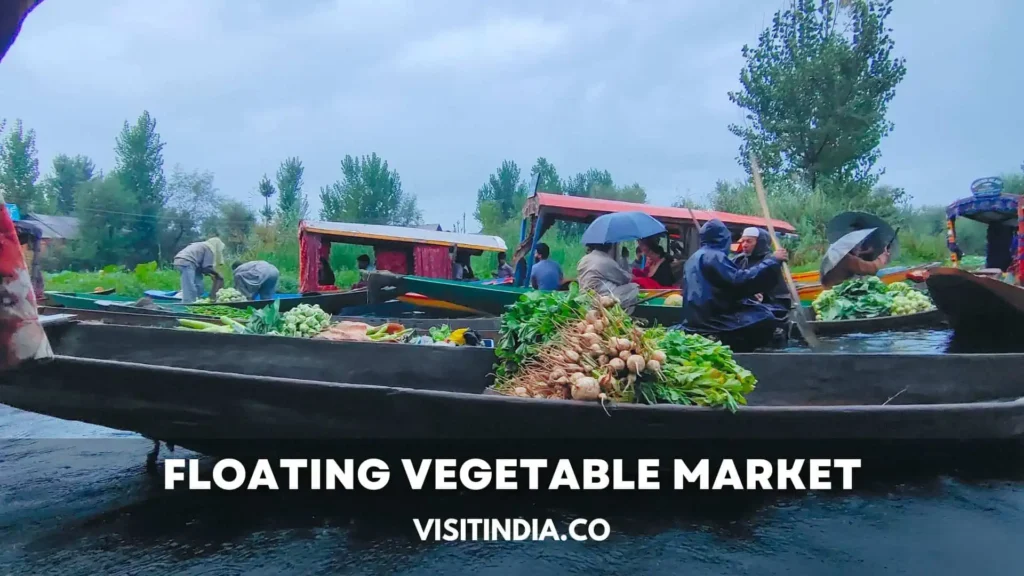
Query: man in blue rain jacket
(719,297)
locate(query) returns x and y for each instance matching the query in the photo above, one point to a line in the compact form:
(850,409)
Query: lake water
(86,506)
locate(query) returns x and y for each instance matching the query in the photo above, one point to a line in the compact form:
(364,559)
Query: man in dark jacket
(778,296)
(718,298)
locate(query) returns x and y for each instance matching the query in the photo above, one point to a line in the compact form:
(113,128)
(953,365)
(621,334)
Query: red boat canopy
(581,209)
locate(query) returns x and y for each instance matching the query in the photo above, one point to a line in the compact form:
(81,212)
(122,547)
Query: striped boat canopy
(370,234)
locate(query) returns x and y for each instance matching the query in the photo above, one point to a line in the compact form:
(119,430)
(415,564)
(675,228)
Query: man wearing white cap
(747,241)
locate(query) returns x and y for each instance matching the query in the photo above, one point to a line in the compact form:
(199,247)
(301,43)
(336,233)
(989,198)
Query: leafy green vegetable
(532,321)
(697,371)
(440,333)
(266,320)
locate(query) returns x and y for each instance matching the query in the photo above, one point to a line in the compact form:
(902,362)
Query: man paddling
(718,296)
(755,246)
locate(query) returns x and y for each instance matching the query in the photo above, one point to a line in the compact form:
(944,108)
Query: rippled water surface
(87,507)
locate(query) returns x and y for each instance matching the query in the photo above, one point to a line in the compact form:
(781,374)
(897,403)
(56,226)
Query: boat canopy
(1004,215)
(397,249)
(543,209)
(581,209)
(985,209)
(374,234)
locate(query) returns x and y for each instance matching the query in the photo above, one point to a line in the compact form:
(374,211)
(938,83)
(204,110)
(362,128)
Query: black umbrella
(848,222)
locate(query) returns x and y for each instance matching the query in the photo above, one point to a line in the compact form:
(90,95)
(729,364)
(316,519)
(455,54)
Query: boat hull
(933,319)
(978,306)
(182,406)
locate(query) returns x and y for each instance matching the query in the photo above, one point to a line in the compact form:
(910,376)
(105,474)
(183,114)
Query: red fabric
(395,261)
(309,262)
(648,284)
(21,335)
(432,262)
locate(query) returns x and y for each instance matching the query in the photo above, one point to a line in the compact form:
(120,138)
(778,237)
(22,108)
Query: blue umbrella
(622,226)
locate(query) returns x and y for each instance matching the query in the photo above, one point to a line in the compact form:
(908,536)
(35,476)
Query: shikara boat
(976,304)
(192,387)
(809,286)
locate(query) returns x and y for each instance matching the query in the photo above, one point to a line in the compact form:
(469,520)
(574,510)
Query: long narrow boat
(493,299)
(810,288)
(978,305)
(203,387)
(932,319)
(332,302)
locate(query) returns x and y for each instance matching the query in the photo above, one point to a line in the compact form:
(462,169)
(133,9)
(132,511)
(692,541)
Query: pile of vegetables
(229,295)
(906,300)
(218,311)
(869,297)
(304,321)
(581,347)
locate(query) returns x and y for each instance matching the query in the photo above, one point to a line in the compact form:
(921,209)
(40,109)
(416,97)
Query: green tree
(266,189)
(68,173)
(191,199)
(549,180)
(816,89)
(504,188)
(19,167)
(291,202)
(104,209)
(233,223)
(368,193)
(139,163)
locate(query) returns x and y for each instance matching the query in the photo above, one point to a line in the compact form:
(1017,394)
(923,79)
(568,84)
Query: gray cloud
(447,89)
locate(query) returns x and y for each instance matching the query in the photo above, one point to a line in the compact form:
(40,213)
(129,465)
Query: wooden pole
(798,312)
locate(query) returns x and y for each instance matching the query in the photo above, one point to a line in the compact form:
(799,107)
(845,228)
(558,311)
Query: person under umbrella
(599,270)
(659,263)
(850,256)
(718,298)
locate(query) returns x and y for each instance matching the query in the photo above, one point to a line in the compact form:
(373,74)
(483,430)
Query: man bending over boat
(256,280)
(196,260)
(600,271)
(718,298)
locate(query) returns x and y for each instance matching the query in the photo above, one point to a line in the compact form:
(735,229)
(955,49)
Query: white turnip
(586,389)
(635,363)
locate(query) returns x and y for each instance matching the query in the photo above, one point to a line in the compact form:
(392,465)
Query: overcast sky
(444,90)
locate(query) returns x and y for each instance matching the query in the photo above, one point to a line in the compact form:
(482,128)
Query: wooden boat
(978,305)
(932,319)
(175,295)
(810,288)
(332,303)
(493,299)
(189,388)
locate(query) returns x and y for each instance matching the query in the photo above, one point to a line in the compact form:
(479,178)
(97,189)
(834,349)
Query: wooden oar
(801,322)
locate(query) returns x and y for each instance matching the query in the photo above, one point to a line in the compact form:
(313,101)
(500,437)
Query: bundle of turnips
(597,352)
